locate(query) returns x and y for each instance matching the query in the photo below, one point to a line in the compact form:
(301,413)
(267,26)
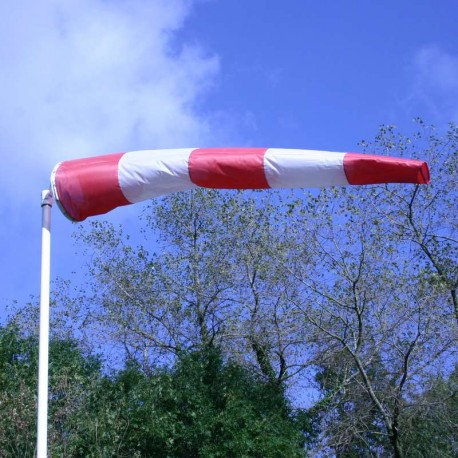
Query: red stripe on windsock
(89,187)
(369,169)
(228,168)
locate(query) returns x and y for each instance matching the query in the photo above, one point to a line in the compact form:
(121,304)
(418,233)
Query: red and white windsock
(96,185)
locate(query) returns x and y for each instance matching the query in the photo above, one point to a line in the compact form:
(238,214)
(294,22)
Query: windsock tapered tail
(96,185)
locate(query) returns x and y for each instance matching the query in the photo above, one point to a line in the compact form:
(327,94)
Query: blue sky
(88,77)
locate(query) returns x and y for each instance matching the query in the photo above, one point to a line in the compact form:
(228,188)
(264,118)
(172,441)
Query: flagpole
(42,415)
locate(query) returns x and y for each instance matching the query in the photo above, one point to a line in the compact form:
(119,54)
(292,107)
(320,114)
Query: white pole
(42,416)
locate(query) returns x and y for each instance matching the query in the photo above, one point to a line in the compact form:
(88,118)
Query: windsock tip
(424,176)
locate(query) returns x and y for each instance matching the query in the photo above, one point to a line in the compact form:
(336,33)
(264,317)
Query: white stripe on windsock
(143,175)
(290,168)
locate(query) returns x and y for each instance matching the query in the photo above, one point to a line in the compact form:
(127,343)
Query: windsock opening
(88,187)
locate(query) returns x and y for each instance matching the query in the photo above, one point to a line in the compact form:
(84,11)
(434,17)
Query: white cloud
(435,82)
(90,77)
(437,69)
(80,78)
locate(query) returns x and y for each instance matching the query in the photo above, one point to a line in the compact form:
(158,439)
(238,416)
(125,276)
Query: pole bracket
(46,198)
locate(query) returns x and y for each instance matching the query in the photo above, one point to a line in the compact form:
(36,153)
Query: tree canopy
(347,292)
(200,407)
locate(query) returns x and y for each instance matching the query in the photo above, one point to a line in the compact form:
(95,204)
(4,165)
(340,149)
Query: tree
(381,297)
(201,407)
(17,396)
(432,432)
(357,285)
(72,375)
(208,281)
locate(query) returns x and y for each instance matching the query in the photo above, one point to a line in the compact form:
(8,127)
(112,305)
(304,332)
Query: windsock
(96,185)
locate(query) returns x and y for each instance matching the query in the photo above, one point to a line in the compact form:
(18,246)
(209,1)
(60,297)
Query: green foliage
(353,423)
(432,432)
(18,388)
(202,407)
(72,375)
